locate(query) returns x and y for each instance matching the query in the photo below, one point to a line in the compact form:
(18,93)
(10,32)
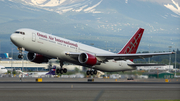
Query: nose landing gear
(20,56)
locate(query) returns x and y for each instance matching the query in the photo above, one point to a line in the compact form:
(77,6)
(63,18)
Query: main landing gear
(61,70)
(131,77)
(91,72)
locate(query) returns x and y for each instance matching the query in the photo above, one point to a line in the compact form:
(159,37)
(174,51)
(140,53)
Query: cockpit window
(18,32)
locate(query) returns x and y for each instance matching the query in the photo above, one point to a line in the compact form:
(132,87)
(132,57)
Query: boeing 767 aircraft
(42,46)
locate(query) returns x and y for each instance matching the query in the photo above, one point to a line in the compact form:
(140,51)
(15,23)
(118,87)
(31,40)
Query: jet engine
(37,58)
(87,59)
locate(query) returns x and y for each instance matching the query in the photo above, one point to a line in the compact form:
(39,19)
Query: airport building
(31,66)
(162,75)
(166,67)
(24,65)
(4,55)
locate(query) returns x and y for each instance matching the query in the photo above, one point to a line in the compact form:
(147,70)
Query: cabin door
(33,37)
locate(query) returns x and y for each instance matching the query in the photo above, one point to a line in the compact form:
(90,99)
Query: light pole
(149,52)
(0,46)
(169,57)
(12,56)
(175,63)
(23,61)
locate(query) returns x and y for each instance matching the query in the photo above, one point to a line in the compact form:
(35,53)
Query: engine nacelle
(87,59)
(37,58)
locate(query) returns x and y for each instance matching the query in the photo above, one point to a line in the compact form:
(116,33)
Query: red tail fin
(132,45)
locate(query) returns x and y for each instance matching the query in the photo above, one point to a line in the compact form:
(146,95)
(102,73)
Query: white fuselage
(56,47)
(3,70)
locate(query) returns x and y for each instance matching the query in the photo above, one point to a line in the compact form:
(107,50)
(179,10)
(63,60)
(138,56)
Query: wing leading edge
(105,57)
(129,56)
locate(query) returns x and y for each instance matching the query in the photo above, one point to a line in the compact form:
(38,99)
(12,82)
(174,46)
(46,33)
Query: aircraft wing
(129,56)
(150,64)
(105,57)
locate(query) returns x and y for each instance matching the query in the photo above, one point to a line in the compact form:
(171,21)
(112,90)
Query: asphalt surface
(30,79)
(88,91)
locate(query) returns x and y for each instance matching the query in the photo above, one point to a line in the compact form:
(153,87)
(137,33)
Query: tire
(87,72)
(20,56)
(57,71)
(61,71)
(65,70)
(91,72)
(95,72)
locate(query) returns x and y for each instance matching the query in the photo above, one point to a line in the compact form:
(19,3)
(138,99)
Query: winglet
(132,45)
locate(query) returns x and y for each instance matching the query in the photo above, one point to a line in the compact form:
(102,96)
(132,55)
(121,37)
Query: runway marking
(99,95)
(71,86)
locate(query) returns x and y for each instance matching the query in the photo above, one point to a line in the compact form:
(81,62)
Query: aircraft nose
(15,39)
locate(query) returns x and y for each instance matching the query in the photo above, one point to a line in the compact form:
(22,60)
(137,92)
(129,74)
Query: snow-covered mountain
(95,21)
(174,7)
(63,6)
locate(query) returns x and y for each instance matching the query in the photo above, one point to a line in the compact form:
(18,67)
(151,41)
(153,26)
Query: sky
(161,1)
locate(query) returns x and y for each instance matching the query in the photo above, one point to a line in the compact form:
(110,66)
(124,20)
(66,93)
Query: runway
(89,91)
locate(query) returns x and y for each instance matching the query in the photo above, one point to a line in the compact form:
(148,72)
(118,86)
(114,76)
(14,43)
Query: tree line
(162,59)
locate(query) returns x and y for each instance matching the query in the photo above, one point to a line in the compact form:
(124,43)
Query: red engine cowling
(37,58)
(87,59)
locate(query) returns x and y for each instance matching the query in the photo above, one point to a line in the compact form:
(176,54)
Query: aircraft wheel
(95,72)
(131,78)
(61,71)
(65,70)
(57,71)
(91,72)
(20,56)
(87,72)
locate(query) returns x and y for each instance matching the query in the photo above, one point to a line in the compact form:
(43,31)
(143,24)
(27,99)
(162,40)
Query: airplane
(40,74)
(42,46)
(3,70)
(52,71)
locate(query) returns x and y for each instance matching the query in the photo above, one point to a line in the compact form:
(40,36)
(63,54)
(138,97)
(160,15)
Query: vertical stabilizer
(132,45)
(52,71)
